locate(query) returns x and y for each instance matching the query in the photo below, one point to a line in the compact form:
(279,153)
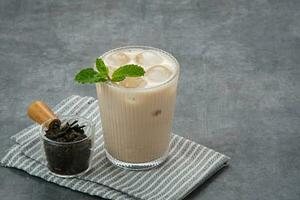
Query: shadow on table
(202,187)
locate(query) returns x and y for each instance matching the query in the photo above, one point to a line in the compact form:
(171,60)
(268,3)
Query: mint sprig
(101,67)
(89,75)
(127,71)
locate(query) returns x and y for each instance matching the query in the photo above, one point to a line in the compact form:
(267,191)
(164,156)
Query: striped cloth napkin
(189,164)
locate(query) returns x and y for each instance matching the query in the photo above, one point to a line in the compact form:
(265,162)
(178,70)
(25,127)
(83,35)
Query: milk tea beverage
(137,113)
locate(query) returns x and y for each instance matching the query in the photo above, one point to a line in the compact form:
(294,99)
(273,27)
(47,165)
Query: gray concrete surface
(239,90)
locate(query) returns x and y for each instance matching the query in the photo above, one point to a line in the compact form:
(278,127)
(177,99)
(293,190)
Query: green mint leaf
(127,71)
(101,67)
(89,75)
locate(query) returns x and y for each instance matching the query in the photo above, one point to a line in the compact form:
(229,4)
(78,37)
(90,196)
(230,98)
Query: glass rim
(88,134)
(175,75)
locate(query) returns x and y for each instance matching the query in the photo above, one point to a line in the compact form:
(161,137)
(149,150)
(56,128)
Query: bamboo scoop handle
(39,112)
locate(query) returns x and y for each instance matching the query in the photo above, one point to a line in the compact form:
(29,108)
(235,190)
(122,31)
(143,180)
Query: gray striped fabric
(189,164)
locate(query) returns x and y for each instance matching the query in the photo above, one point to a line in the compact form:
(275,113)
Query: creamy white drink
(137,113)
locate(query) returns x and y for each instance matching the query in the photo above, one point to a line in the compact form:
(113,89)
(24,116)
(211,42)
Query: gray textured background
(239,90)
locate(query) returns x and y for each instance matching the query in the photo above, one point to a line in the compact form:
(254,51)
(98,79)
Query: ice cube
(158,73)
(131,99)
(148,58)
(117,59)
(111,70)
(133,82)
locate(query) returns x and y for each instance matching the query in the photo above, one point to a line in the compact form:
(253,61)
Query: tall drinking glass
(137,113)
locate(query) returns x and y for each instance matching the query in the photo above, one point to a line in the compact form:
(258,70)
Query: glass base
(137,166)
(70,175)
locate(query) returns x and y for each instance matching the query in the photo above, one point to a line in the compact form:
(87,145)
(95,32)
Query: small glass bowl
(69,159)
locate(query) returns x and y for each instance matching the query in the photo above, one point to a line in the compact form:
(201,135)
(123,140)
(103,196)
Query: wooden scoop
(39,112)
